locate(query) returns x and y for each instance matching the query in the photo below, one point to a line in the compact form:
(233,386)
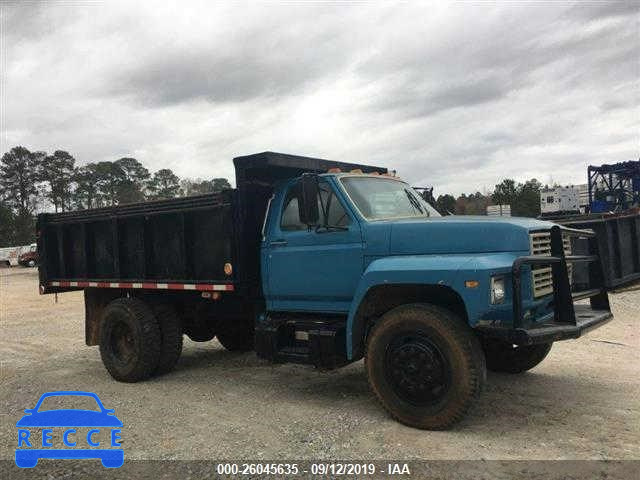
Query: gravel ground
(582,402)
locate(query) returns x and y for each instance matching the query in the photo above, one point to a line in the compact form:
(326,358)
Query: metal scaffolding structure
(614,188)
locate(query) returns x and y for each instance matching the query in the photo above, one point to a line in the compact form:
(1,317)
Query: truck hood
(460,234)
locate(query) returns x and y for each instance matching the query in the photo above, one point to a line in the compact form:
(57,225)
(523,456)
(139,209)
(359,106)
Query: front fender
(442,270)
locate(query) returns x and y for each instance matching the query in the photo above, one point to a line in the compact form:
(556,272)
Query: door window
(332,213)
(290,220)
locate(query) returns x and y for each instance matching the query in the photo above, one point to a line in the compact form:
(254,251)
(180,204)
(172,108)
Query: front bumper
(569,319)
(587,319)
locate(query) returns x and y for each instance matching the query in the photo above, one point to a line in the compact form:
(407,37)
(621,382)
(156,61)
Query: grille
(541,276)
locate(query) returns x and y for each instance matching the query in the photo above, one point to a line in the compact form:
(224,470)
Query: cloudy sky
(457,96)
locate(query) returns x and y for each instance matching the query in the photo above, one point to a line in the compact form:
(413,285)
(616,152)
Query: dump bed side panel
(184,240)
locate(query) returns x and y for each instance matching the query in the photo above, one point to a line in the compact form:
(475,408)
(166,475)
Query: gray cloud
(458,96)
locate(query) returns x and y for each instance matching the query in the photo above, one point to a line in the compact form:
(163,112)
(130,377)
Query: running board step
(312,341)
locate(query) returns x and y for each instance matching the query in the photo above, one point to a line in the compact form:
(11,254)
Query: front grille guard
(563,297)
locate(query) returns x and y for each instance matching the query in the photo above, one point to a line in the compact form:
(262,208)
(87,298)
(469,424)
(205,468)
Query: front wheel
(425,366)
(509,358)
(31,263)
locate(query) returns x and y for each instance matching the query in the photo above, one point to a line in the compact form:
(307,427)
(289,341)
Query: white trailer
(559,200)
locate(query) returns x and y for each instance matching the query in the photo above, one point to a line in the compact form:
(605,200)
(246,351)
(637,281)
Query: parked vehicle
(10,256)
(30,257)
(324,263)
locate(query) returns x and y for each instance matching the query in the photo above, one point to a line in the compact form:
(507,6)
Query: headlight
(497,290)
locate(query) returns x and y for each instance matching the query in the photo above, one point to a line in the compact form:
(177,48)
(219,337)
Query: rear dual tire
(137,341)
(171,338)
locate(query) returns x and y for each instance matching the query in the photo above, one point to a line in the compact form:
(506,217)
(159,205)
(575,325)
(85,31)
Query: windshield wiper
(414,201)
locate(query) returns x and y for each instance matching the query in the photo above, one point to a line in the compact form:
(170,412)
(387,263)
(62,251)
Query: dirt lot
(581,403)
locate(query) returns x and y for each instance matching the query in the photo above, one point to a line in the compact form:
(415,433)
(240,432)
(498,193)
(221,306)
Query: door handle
(278,243)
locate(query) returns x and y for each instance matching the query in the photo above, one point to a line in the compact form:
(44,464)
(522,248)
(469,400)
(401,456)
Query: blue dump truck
(325,263)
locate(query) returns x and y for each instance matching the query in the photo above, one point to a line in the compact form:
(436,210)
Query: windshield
(380,198)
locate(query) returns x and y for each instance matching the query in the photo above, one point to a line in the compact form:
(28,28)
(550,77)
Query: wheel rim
(417,370)
(122,343)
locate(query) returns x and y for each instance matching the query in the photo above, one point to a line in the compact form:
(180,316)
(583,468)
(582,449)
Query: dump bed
(162,244)
(179,244)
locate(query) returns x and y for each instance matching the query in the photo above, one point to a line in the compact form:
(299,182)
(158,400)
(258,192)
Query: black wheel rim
(122,343)
(417,370)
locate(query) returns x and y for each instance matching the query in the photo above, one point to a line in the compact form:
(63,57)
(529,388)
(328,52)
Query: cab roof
(270,167)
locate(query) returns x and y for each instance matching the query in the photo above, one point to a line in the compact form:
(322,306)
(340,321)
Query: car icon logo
(34,445)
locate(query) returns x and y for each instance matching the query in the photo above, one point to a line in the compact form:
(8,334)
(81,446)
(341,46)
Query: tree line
(32,182)
(524,199)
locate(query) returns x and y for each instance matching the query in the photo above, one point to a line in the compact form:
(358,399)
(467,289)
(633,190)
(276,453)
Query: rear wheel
(425,366)
(509,358)
(130,340)
(171,333)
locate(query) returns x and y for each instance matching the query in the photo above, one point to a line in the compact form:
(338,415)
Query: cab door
(313,269)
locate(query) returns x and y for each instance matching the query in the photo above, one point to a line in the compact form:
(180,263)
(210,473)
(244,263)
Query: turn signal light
(228,269)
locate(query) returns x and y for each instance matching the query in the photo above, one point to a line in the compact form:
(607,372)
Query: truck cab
(325,263)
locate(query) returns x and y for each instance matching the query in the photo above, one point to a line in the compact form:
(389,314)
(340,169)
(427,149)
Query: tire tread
(151,340)
(472,351)
(171,337)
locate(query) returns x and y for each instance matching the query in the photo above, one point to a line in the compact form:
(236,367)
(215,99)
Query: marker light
(228,269)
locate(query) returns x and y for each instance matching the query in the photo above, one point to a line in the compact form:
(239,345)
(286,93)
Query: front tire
(425,366)
(130,340)
(509,358)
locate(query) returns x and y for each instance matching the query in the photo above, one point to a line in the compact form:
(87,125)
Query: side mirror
(308,199)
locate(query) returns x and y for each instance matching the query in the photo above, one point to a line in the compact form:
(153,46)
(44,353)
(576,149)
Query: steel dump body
(184,240)
(179,244)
